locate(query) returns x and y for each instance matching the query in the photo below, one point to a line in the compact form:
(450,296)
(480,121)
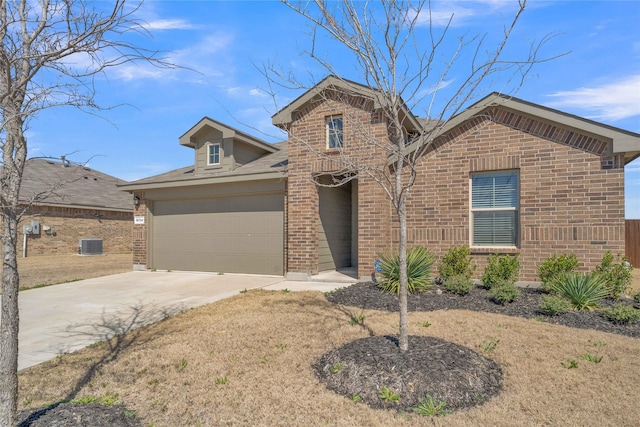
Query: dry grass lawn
(245,361)
(50,270)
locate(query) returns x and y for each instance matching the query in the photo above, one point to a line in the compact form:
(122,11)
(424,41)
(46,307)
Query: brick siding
(71,225)
(571,191)
(308,156)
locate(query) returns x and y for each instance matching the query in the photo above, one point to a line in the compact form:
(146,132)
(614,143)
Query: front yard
(248,360)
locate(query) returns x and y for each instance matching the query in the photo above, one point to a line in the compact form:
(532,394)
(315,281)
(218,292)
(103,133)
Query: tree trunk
(402,256)
(403,340)
(13,155)
(10,322)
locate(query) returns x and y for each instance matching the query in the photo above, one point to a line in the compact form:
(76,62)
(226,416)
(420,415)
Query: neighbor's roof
(270,166)
(48,182)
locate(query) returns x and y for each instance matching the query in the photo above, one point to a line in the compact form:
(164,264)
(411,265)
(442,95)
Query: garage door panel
(242,234)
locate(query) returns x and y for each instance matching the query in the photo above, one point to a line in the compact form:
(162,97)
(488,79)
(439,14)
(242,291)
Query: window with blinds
(494,208)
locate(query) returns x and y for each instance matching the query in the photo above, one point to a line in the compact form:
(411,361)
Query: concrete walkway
(67,317)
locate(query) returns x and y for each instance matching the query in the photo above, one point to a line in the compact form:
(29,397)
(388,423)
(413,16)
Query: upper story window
(213,154)
(494,209)
(334,132)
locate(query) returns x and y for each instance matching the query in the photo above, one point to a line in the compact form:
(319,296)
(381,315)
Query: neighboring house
(70,203)
(505,176)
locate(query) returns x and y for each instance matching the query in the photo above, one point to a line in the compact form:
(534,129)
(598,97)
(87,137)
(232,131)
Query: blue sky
(225,41)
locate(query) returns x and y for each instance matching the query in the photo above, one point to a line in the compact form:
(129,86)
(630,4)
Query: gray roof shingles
(61,183)
(269,163)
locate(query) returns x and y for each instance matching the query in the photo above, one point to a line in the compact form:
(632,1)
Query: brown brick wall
(308,156)
(140,233)
(71,225)
(571,191)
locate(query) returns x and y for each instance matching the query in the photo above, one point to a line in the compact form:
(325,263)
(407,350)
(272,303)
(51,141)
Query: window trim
(209,153)
(515,209)
(328,120)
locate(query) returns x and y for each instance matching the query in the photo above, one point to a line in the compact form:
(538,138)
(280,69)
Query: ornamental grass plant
(584,291)
(419,263)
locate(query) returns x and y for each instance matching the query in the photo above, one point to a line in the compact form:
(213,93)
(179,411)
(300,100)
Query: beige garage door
(236,234)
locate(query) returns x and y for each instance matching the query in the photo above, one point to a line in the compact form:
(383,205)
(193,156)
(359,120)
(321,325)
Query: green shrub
(503,292)
(419,263)
(555,266)
(501,269)
(621,313)
(553,305)
(636,298)
(458,284)
(456,262)
(584,291)
(616,275)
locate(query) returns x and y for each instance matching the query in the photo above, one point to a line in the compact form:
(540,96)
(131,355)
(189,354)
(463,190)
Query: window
(213,154)
(494,208)
(334,132)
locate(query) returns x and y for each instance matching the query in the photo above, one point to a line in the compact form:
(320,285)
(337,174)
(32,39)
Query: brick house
(504,176)
(71,202)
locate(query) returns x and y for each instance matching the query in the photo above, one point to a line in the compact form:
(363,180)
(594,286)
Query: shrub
(621,313)
(458,284)
(616,275)
(419,263)
(636,298)
(553,305)
(584,291)
(503,292)
(555,266)
(456,262)
(501,269)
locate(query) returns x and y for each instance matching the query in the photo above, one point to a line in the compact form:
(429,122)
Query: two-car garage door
(230,234)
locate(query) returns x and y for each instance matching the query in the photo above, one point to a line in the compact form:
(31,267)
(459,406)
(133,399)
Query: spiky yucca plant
(419,263)
(583,290)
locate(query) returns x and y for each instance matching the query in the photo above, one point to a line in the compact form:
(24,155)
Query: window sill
(494,250)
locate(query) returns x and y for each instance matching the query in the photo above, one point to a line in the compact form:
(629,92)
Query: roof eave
(622,141)
(258,176)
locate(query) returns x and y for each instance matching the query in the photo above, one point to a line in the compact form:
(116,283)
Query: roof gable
(620,140)
(187,139)
(286,115)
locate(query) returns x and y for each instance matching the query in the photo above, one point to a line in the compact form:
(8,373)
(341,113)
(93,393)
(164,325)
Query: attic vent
(90,247)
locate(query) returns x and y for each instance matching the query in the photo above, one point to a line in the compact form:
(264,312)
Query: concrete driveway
(67,317)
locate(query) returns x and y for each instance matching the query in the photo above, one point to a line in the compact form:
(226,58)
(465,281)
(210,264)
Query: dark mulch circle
(78,415)
(448,372)
(367,295)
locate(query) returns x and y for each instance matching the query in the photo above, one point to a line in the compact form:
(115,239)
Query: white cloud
(167,24)
(461,12)
(611,101)
(258,93)
(139,71)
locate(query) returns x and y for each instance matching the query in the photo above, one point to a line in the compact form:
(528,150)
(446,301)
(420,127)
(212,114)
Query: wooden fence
(632,241)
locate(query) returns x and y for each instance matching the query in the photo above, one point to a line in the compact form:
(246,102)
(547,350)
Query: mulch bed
(448,372)
(78,415)
(367,295)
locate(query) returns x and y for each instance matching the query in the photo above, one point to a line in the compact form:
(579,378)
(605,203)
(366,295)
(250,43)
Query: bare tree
(401,72)
(51,52)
